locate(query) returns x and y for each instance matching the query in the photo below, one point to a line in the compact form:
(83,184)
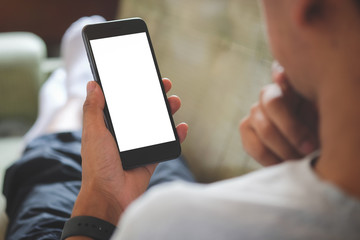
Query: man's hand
(281,126)
(106,188)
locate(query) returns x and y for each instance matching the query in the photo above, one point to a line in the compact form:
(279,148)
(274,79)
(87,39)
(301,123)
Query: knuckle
(272,103)
(244,125)
(263,126)
(266,130)
(253,145)
(88,105)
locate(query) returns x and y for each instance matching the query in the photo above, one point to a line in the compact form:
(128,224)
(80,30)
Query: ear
(307,12)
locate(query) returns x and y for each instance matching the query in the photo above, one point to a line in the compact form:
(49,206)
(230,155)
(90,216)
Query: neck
(340,134)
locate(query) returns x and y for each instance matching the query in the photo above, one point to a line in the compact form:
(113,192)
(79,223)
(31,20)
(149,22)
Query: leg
(42,186)
(62,95)
(68,118)
(52,97)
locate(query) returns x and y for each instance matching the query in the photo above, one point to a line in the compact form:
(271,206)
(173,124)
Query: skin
(282,125)
(311,103)
(106,189)
(324,36)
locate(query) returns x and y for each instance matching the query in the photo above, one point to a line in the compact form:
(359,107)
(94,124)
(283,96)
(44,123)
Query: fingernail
(90,87)
(276,67)
(307,147)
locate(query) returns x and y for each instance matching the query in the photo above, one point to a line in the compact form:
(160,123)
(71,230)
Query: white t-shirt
(287,201)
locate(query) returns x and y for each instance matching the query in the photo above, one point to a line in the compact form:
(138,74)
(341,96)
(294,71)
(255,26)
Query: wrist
(83,227)
(96,204)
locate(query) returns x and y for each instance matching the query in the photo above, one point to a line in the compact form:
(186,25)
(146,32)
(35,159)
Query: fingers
(94,105)
(93,108)
(277,107)
(278,73)
(182,130)
(175,103)
(282,125)
(270,136)
(279,77)
(167,84)
(254,146)
(305,110)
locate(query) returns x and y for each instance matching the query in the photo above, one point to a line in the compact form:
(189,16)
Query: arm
(106,188)
(282,125)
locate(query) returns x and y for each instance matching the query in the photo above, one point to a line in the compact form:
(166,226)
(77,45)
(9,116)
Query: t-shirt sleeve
(155,215)
(282,202)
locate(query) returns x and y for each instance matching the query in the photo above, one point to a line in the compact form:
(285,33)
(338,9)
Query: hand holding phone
(136,111)
(106,189)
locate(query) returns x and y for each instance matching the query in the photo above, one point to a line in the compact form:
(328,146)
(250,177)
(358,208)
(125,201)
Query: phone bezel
(145,155)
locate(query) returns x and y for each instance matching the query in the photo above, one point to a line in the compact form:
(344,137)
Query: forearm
(94,204)
(97,205)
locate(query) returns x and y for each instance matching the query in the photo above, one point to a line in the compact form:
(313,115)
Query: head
(313,40)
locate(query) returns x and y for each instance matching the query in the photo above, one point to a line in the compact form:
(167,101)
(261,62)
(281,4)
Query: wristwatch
(92,227)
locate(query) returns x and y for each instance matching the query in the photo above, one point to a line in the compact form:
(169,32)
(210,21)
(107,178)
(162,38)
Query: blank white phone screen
(132,91)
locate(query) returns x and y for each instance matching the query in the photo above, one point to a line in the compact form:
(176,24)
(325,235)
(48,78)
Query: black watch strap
(88,226)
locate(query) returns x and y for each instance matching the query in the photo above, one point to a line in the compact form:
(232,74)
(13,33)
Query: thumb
(93,108)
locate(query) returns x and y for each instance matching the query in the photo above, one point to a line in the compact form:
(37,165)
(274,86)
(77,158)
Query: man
(317,43)
(42,186)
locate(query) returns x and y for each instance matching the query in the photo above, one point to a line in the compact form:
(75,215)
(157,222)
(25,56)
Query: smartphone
(137,111)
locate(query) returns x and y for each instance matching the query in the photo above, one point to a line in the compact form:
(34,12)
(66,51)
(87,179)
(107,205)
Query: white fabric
(287,201)
(75,60)
(67,82)
(52,97)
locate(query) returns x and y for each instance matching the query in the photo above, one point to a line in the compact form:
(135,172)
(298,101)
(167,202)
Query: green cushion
(21,55)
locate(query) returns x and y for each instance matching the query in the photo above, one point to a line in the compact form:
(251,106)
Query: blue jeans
(42,186)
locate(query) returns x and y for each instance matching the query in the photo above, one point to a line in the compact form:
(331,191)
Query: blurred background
(214,51)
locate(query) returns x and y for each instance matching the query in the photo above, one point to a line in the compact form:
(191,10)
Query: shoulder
(285,196)
(160,212)
(170,206)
